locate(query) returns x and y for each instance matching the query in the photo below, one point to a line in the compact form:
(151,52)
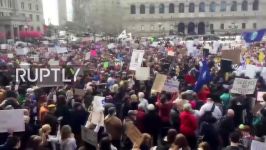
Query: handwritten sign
(158,83)
(143,73)
(260,96)
(171,86)
(244,86)
(134,134)
(89,136)
(136,59)
(12,119)
(79,92)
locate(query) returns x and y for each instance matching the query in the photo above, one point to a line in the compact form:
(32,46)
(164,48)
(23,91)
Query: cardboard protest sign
(136,59)
(158,83)
(134,134)
(234,55)
(260,96)
(143,73)
(79,92)
(12,120)
(244,86)
(89,136)
(171,86)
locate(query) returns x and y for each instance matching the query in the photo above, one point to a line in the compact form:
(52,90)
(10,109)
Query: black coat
(152,123)
(52,121)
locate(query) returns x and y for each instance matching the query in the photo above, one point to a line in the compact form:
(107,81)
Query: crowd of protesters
(210,118)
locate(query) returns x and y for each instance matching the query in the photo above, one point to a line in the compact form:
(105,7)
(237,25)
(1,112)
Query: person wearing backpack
(209,111)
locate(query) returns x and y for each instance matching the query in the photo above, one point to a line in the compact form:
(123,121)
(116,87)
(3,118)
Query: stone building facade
(20,15)
(156,17)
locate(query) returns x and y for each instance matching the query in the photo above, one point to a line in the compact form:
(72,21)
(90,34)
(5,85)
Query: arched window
(133,9)
(171,8)
(152,9)
(244,5)
(181,7)
(255,5)
(212,7)
(142,9)
(234,6)
(223,6)
(161,8)
(202,7)
(191,7)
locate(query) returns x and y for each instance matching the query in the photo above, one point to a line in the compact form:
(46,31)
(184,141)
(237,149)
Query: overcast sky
(50,11)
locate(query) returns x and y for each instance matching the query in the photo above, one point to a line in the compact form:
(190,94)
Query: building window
(243,25)
(9,3)
(152,9)
(191,8)
(254,25)
(244,5)
(133,9)
(37,17)
(31,28)
(31,18)
(211,27)
(171,8)
(152,27)
(1,14)
(234,6)
(181,8)
(212,7)
(255,5)
(222,26)
(223,6)
(142,9)
(1,3)
(161,8)
(22,5)
(29,6)
(142,27)
(10,14)
(202,7)
(38,28)
(37,7)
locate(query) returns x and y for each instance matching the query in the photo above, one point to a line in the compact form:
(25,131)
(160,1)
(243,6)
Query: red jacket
(188,123)
(164,111)
(190,79)
(204,94)
(140,119)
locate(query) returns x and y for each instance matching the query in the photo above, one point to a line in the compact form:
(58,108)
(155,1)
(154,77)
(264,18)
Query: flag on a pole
(204,76)
(256,36)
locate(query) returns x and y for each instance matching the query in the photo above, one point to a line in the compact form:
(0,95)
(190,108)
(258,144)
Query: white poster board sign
(98,102)
(10,55)
(22,51)
(53,62)
(87,56)
(143,73)
(12,120)
(256,145)
(136,59)
(171,86)
(61,50)
(244,86)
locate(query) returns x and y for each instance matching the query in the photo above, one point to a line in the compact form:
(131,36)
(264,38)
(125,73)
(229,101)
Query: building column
(12,32)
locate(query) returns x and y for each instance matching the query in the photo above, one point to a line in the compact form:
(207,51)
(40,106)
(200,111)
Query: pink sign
(93,53)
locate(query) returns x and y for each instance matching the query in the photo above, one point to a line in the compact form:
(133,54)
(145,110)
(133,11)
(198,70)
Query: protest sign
(133,134)
(233,55)
(98,102)
(12,120)
(136,59)
(89,136)
(256,145)
(171,86)
(53,62)
(93,53)
(260,96)
(10,55)
(60,50)
(111,46)
(22,51)
(143,73)
(79,92)
(171,53)
(87,56)
(244,86)
(106,65)
(158,83)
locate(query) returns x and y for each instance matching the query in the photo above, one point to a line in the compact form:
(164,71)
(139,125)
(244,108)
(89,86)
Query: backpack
(208,115)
